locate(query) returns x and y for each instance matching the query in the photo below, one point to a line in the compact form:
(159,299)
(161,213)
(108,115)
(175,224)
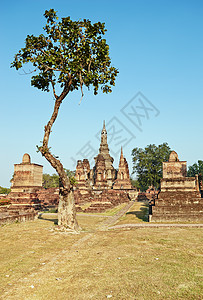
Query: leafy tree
(71,176)
(50,181)
(195,169)
(147,164)
(4,190)
(70,55)
(135,183)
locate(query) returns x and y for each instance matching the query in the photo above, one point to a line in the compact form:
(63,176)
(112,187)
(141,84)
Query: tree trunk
(66,210)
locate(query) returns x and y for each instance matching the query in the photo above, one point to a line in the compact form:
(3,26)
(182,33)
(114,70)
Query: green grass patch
(138,213)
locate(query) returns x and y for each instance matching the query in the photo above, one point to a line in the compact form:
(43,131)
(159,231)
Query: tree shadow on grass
(42,216)
(142,214)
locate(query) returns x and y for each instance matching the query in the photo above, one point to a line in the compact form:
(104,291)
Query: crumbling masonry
(103,185)
(180,197)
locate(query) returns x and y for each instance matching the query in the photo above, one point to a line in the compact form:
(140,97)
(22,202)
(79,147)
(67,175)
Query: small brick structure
(180,197)
(27,195)
(26,182)
(149,195)
(12,214)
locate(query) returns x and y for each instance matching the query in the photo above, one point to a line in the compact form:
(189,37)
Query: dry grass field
(38,262)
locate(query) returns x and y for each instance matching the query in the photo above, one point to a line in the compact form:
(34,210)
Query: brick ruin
(180,197)
(103,185)
(26,182)
(27,194)
(149,195)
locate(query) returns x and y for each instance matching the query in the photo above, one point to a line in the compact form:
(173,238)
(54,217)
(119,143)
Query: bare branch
(54,91)
(27,73)
(89,65)
(50,68)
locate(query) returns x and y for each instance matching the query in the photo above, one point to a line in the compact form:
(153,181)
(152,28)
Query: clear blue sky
(157,47)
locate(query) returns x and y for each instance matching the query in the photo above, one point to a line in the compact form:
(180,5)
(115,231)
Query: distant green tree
(71,176)
(50,181)
(135,183)
(147,164)
(195,169)
(4,190)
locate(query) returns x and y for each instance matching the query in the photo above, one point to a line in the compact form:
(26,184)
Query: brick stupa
(27,180)
(180,197)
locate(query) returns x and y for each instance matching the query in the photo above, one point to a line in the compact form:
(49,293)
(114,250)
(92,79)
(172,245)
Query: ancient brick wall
(48,197)
(178,206)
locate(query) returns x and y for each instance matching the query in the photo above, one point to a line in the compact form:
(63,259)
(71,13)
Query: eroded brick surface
(103,185)
(180,197)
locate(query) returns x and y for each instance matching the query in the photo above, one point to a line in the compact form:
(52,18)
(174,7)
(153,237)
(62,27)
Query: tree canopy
(195,169)
(52,181)
(70,53)
(4,190)
(147,164)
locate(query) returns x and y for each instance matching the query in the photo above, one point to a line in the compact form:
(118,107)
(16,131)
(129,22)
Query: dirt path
(150,225)
(107,224)
(113,219)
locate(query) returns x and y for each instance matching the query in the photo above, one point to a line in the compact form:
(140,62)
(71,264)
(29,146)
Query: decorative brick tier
(98,207)
(177,206)
(115,197)
(48,197)
(11,214)
(180,197)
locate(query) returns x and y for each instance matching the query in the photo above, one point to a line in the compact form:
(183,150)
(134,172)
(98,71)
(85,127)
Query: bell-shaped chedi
(27,176)
(26,159)
(174,168)
(27,180)
(123,176)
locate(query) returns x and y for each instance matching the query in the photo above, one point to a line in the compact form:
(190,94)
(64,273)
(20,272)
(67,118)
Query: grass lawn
(37,262)
(138,213)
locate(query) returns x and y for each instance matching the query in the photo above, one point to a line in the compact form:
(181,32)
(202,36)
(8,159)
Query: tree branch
(54,91)
(27,73)
(47,130)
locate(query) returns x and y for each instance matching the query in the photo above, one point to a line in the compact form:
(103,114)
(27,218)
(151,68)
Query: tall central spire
(104,135)
(104,151)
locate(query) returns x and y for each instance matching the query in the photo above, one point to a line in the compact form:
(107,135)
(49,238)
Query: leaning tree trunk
(66,209)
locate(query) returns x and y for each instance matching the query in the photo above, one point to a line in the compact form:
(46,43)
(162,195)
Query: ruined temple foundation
(100,199)
(180,197)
